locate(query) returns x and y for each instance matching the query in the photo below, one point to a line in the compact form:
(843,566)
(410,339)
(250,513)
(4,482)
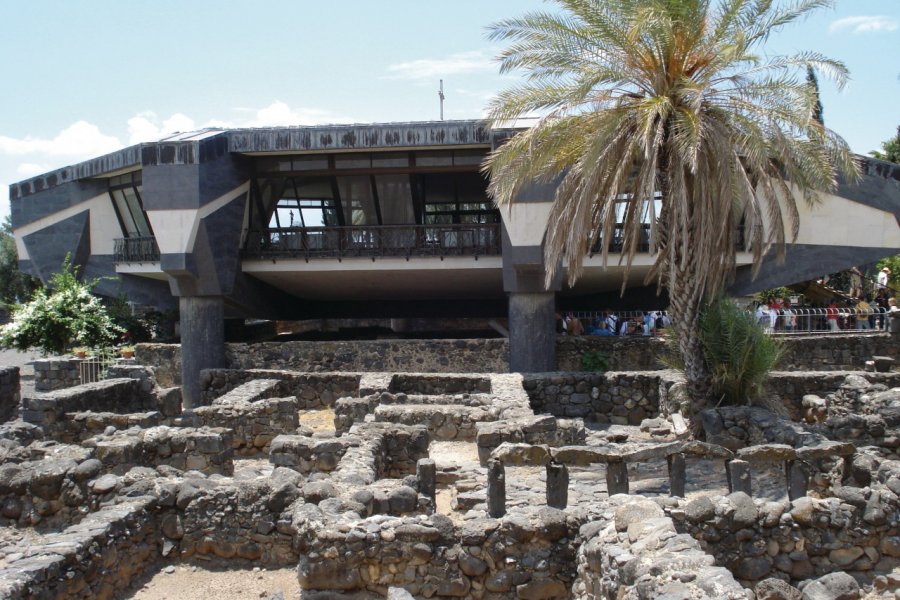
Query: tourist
(863,314)
(883,276)
(831,314)
(612,322)
(883,307)
(573,325)
(602,330)
(789,317)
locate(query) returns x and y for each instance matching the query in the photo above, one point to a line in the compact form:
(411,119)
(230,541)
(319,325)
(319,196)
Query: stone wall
(809,537)
(804,353)
(408,356)
(79,426)
(622,398)
(530,555)
(641,551)
(312,390)
(254,424)
(204,449)
(101,556)
(56,373)
(247,520)
(789,388)
(9,393)
(109,395)
(53,484)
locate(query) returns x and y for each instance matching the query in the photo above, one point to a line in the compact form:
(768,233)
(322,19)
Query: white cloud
(80,139)
(864,24)
(279,113)
(146,127)
(31,169)
(438,68)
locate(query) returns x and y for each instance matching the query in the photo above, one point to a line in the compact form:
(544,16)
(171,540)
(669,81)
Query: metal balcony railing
(481,239)
(136,250)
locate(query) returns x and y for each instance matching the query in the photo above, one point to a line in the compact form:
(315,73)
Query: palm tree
(670,96)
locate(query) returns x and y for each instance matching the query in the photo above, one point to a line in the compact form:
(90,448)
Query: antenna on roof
(441,96)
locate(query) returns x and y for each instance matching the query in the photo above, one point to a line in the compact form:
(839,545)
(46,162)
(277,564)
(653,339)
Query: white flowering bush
(67,315)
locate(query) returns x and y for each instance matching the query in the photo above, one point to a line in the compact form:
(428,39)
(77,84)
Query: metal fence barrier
(93,368)
(792,321)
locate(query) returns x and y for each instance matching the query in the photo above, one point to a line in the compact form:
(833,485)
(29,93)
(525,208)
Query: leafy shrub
(66,315)
(594,360)
(737,350)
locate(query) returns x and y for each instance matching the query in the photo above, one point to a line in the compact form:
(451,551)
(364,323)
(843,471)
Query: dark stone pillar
(676,475)
(797,479)
(738,476)
(557,485)
(426,473)
(202,342)
(616,478)
(496,489)
(532,332)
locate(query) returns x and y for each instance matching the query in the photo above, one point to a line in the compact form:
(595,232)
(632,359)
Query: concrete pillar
(616,478)
(677,475)
(496,489)
(797,479)
(426,473)
(532,332)
(738,476)
(202,342)
(557,485)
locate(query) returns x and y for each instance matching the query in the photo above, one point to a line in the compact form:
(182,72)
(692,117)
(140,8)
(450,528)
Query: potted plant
(127,351)
(80,352)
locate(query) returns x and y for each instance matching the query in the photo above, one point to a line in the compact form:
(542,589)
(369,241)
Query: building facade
(381,220)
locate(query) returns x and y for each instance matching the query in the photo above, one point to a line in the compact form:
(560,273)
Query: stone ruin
(557,485)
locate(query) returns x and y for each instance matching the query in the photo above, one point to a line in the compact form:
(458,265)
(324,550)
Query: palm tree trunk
(686,297)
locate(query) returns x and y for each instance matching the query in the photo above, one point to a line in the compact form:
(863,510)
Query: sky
(86,78)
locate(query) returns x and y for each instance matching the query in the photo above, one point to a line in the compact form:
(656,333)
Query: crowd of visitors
(609,323)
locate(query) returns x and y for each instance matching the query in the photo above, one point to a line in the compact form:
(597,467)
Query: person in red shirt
(831,314)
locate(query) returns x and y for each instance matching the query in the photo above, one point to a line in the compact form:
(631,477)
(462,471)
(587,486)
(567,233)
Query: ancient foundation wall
(623,398)
(110,395)
(9,393)
(531,555)
(805,353)
(101,555)
(56,373)
(248,520)
(806,538)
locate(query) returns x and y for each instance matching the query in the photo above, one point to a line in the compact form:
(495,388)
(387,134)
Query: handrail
(801,321)
(136,250)
(475,239)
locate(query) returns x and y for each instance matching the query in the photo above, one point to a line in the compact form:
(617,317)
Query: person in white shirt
(883,276)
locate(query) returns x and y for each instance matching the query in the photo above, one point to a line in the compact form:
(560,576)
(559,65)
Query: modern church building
(380,220)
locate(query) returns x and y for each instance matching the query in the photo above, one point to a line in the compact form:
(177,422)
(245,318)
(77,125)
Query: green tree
(892,263)
(890,150)
(60,317)
(15,286)
(738,352)
(813,82)
(669,96)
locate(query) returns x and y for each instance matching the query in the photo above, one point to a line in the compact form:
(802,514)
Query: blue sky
(85,78)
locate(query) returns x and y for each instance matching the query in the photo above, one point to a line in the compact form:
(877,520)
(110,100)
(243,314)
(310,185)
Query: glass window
(469,157)
(352,161)
(434,159)
(395,199)
(310,163)
(271,164)
(125,192)
(390,159)
(357,200)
